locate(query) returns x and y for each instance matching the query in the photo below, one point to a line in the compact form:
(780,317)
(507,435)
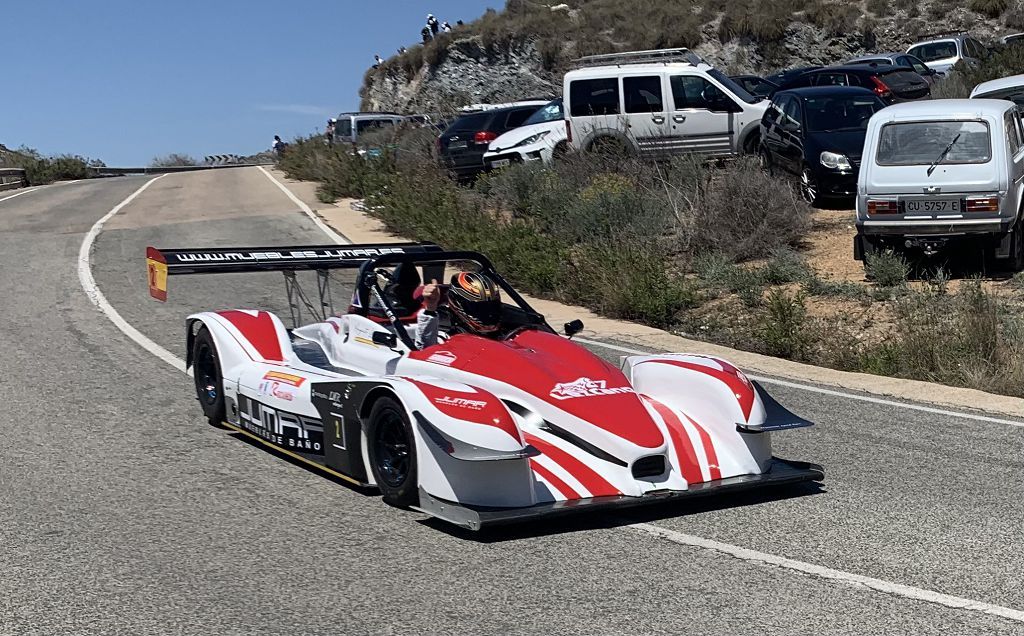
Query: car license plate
(931,206)
(457,145)
(501,163)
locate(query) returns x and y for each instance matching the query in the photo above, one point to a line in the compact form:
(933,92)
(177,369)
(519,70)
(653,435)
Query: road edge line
(328,230)
(822,572)
(92,290)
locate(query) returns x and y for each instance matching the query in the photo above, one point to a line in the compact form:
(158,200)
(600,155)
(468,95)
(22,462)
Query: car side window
(916,64)
(517,117)
(791,111)
(832,79)
(643,94)
(1011,122)
(695,92)
(594,97)
(771,114)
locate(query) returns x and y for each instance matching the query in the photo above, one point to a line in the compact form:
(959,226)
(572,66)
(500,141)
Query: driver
(474,301)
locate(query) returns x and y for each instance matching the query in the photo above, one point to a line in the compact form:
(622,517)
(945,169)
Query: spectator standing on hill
(377,61)
(445,27)
(279,146)
(425,32)
(401,50)
(329,133)
(433,24)
(459,23)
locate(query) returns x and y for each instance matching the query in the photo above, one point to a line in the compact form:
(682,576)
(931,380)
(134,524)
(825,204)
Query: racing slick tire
(392,453)
(208,379)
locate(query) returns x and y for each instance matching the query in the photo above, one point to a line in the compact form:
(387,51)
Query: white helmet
(430,15)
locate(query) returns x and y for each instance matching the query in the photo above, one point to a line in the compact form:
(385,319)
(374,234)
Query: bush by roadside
(42,170)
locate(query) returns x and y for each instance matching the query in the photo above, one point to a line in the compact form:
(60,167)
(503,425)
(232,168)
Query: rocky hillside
(523,51)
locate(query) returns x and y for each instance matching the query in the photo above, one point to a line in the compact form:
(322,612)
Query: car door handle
(658,119)
(679,118)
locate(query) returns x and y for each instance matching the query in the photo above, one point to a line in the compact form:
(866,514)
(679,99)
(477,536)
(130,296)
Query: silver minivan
(938,171)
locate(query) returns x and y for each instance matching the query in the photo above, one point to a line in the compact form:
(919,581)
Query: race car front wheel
(392,453)
(209,382)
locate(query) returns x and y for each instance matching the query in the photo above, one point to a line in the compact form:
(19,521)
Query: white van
(939,171)
(659,103)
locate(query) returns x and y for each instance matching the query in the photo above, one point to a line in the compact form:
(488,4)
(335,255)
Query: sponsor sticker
(585,387)
(277,389)
(448,400)
(287,430)
(442,357)
(284,378)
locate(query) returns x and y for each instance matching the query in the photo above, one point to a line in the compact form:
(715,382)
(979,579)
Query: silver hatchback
(937,171)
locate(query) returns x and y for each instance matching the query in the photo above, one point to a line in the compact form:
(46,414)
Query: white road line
(19,194)
(832,392)
(329,231)
(895,589)
(97,297)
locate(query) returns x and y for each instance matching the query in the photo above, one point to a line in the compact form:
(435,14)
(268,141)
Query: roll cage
(515,317)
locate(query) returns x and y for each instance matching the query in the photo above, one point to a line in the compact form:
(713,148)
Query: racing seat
(406,289)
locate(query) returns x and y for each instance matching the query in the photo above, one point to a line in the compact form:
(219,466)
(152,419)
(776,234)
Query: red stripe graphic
(709,448)
(743,390)
(259,330)
(553,479)
(689,466)
(595,483)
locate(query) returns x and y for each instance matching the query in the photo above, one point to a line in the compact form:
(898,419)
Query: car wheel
(392,451)
(208,379)
(610,147)
(809,187)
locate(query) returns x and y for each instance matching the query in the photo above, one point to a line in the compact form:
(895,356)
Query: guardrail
(111,172)
(11,178)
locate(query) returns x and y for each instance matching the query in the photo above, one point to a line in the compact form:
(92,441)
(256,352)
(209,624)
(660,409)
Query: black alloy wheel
(809,187)
(208,379)
(392,453)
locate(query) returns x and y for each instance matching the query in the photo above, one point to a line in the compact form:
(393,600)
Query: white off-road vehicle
(659,103)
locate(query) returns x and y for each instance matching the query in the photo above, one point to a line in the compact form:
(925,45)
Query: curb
(353,222)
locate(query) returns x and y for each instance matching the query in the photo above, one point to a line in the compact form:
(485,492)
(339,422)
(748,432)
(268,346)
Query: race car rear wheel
(392,451)
(209,382)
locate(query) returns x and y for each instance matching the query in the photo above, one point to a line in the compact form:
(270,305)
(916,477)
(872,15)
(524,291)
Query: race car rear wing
(161,263)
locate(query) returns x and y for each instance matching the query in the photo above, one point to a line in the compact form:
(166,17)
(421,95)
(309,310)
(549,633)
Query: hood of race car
(559,373)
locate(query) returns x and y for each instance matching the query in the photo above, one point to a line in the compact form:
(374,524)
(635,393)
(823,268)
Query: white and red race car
(473,430)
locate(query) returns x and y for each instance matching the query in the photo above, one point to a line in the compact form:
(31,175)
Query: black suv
(817,135)
(462,146)
(891,83)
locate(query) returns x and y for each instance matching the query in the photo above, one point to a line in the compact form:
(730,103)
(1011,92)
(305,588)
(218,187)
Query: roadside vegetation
(41,169)
(173,159)
(710,251)
(1005,62)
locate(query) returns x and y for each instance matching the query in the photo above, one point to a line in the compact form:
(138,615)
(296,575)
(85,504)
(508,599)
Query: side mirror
(385,338)
(573,327)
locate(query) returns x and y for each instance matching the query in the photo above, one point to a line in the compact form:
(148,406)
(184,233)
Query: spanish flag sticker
(156,270)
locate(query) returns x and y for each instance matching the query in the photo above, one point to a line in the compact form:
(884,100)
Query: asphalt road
(122,512)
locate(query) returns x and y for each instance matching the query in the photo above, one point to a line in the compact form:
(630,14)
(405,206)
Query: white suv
(659,103)
(943,170)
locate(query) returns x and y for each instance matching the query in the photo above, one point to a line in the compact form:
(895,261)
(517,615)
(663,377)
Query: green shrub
(746,214)
(173,159)
(40,170)
(989,8)
(784,332)
(887,269)
(785,266)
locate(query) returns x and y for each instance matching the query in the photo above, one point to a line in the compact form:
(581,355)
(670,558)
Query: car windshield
(733,87)
(343,128)
(921,143)
(833,113)
(934,50)
(551,112)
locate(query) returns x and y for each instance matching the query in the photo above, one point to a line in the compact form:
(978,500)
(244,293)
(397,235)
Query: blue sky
(127,80)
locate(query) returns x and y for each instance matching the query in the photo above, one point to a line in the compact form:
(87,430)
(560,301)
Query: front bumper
(780,473)
(837,184)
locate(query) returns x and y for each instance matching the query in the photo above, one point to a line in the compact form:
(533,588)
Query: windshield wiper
(942,156)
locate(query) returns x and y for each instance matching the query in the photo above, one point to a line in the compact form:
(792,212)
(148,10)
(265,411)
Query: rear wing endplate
(161,263)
